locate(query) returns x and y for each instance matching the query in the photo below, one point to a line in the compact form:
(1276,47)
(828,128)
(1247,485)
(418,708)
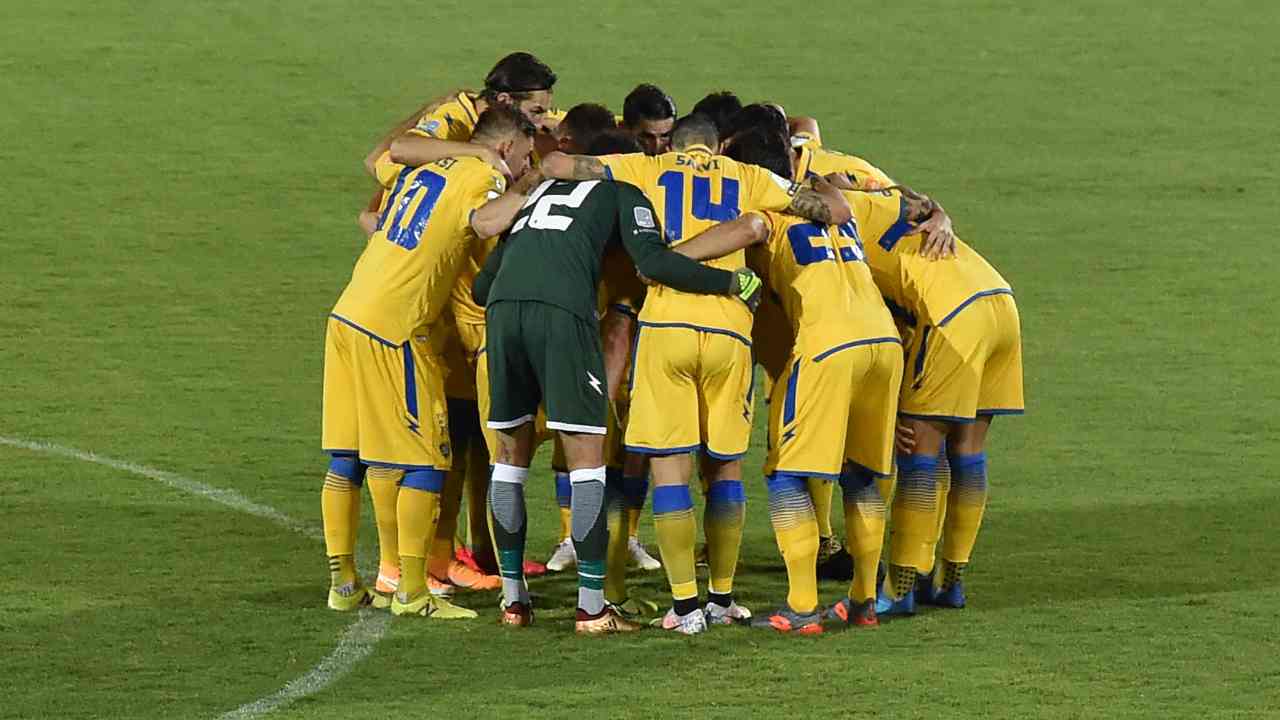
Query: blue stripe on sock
(911,463)
(564,490)
(968,463)
(783,483)
(671,498)
(726,491)
(347,467)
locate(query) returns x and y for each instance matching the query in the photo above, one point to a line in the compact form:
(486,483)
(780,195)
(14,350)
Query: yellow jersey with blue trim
(454,120)
(917,289)
(693,190)
(404,277)
(814,160)
(820,278)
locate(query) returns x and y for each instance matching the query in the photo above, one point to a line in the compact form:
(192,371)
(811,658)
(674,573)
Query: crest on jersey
(644,218)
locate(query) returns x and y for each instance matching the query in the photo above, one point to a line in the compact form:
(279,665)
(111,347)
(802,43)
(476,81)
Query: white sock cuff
(587,475)
(513,474)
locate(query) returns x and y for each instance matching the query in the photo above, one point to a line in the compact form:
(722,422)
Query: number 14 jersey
(692,191)
(404,276)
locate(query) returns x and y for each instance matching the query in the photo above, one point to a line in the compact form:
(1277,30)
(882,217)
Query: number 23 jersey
(403,278)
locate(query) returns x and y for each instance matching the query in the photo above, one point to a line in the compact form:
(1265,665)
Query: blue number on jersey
(407,235)
(672,182)
(807,253)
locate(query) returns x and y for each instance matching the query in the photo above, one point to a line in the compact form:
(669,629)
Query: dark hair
(647,102)
(759,115)
(501,121)
(719,107)
(613,142)
(518,74)
(694,129)
(764,148)
(584,122)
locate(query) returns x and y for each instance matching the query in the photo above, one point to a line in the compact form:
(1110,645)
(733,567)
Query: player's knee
(425,480)
(969,471)
(347,467)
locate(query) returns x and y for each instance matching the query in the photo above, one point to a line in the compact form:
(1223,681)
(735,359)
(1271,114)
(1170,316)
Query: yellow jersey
(814,159)
(917,289)
(405,275)
(453,120)
(693,190)
(820,277)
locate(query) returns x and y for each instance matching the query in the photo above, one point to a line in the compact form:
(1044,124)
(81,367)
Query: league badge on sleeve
(644,218)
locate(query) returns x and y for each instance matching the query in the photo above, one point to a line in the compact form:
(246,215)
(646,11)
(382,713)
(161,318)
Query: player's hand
(492,157)
(841,181)
(748,287)
(904,438)
(940,238)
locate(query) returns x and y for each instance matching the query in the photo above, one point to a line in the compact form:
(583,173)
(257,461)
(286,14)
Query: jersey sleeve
(634,168)
(881,215)
(483,184)
(642,238)
(765,190)
(443,123)
(869,177)
(386,170)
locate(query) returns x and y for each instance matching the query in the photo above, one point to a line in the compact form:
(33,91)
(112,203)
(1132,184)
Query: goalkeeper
(543,347)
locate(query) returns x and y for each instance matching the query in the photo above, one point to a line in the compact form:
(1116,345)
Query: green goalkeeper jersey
(555,247)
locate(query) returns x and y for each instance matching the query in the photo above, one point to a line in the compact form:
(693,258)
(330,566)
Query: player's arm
(495,216)
(368,217)
(726,237)
(484,279)
(616,330)
(820,202)
(939,235)
(643,241)
(562,166)
(402,127)
(416,150)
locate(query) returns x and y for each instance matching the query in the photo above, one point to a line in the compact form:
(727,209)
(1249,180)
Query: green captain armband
(748,287)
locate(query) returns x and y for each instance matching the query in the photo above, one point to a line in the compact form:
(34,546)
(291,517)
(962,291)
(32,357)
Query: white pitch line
(357,641)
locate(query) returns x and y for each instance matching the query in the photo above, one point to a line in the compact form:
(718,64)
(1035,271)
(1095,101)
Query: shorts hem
(941,418)
(642,450)
(969,301)
(400,466)
(696,328)
(723,456)
(509,424)
(570,427)
(340,451)
(1002,411)
(805,474)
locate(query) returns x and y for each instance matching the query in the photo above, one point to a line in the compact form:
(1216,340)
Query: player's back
(819,276)
(692,190)
(929,290)
(817,160)
(403,278)
(557,243)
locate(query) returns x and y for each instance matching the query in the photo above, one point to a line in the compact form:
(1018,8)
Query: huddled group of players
(612,283)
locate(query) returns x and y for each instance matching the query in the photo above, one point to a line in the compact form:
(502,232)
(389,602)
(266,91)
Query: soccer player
(832,414)
(518,80)
(964,366)
(384,403)
(539,288)
(691,371)
(719,108)
(648,114)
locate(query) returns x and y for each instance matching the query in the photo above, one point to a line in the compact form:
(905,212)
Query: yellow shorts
(835,405)
(384,403)
(967,366)
(690,389)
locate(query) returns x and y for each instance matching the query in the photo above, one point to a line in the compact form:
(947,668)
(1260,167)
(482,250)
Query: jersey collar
(698,148)
(469,105)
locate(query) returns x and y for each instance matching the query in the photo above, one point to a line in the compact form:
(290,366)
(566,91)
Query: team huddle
(610,284)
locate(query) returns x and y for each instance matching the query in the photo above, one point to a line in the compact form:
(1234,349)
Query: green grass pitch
(180,182)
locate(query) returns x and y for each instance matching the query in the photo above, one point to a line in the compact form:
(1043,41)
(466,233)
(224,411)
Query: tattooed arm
(821,202)
(560,166)
(929,218)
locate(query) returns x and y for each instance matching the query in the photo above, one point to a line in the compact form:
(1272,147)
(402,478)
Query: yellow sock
(864,529)
(676,529)
(441,551)
(942,479)
(886,487)
(340,510)
(796,529)
(915,508)
(384,488)
(820,492)
(965,507)
(722,523)
(416,514)
(616,556)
